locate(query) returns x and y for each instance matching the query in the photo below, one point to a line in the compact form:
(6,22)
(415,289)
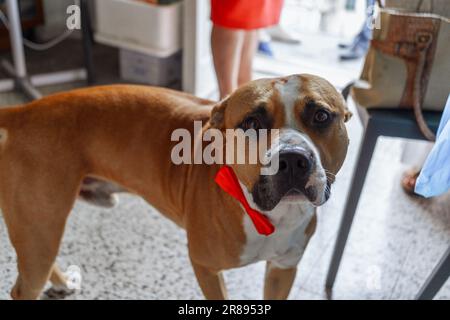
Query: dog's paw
(57,293)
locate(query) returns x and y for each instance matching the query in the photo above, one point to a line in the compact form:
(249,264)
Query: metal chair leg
(437,278)
(362,165)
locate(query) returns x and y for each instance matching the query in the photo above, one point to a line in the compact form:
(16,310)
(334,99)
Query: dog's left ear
(344,94)
(217,119)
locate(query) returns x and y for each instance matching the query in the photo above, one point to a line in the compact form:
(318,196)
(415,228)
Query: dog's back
(82,120)
(99,131)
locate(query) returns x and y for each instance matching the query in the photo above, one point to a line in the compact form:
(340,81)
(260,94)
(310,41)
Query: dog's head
(310,144)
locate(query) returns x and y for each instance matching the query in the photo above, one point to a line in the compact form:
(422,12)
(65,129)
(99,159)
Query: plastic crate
(147,69)
(140,26)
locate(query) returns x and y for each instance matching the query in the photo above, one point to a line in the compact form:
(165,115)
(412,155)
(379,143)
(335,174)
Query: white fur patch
(285,247)
(289,92)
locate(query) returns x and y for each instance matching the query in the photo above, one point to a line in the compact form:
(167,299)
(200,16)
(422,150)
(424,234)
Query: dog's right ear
(217,119)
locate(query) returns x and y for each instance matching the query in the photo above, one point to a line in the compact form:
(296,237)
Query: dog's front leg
(211,282)
(278,282)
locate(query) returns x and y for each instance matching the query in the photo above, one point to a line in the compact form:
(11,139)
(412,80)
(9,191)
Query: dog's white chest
(285,247)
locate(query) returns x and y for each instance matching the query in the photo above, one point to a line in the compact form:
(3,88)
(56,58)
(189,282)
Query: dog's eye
(251,123)
(322,117)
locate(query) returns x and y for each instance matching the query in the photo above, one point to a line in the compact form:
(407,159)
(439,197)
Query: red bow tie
(227,180)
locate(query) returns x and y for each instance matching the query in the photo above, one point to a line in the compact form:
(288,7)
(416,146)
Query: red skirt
(246,14)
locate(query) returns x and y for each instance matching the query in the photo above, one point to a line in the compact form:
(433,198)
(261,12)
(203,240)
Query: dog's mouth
(268,193)
(293,193)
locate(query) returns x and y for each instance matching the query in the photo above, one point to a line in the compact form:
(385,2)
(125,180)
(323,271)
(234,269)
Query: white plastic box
(146,69)
(140,26)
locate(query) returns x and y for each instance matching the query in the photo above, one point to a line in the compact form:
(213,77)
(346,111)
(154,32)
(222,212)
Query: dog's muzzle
(300,175)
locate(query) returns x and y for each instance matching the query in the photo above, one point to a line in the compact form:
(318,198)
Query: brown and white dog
(123,133)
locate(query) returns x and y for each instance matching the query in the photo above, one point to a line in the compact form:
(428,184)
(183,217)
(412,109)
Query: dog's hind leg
(60,288)
(36,218)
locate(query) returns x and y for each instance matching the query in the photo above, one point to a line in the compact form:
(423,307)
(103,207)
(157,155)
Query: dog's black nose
(296,163)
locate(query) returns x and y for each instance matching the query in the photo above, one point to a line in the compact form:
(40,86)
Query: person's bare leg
(226,45)
(248,53)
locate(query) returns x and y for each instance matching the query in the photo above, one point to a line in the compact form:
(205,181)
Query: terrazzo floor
(132,252)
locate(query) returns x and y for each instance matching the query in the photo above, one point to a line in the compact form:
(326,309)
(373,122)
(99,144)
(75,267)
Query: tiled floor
(131,252)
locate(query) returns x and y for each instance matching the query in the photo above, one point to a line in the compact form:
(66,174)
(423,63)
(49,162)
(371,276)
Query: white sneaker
(279,34)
